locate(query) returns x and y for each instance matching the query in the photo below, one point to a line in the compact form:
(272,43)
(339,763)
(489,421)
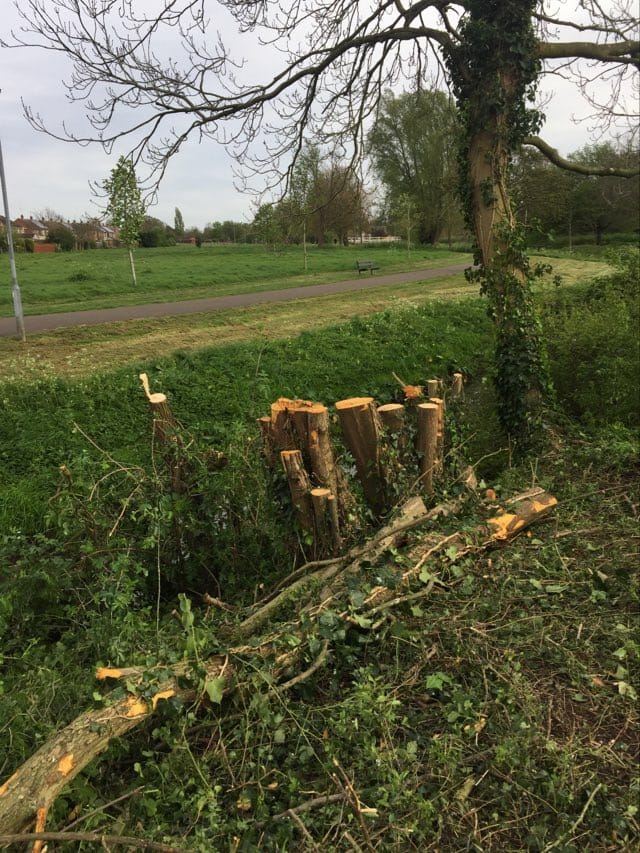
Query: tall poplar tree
(125,207)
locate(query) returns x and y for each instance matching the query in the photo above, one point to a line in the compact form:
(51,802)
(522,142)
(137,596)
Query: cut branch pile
(298,433)
(26,797)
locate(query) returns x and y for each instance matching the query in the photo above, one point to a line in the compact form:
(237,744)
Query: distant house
(32,229)
(95,233)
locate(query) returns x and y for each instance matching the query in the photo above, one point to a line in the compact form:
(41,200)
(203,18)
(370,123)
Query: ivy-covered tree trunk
(494,71)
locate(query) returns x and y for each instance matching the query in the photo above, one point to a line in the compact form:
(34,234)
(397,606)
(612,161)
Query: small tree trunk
(457,386)
(439,402)
(300,489)
(304,244)
(311,423)
(327,529)
(165,433)
(133,268)
(268,442)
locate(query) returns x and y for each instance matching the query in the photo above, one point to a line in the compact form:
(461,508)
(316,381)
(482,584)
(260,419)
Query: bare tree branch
(333,59)
(569,165)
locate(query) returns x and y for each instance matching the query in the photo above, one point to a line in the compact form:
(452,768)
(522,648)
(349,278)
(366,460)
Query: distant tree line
(410,191)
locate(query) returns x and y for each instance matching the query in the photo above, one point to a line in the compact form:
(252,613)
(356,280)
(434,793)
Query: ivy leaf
(215,689)
(627,690)
(425,576)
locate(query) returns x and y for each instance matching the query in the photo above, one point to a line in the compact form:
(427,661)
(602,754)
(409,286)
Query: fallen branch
(29,793)
(35,785)
(92,838)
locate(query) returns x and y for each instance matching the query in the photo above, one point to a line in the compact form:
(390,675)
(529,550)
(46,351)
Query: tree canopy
(337,59)
(413,147)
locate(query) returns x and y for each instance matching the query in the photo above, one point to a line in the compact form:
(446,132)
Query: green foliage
(125,206)
(62,236)
(520,371)
(499,708)
(594,347)
(154,233)
(267,225)
(413,143)
(178,223)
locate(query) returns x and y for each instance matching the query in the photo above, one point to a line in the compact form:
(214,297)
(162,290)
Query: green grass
(84,350)
(101,278)
(213,389)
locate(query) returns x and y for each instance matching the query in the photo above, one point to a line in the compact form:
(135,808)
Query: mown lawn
(101,278)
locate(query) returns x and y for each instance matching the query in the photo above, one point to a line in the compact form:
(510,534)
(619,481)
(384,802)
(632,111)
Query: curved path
(46,322)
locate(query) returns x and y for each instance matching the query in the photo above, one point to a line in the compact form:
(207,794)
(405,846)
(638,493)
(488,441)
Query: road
(46,322)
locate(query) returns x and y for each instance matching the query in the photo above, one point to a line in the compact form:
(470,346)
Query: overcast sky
(43,172)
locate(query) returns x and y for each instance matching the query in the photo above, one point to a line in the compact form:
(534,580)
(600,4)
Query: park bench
(366,265)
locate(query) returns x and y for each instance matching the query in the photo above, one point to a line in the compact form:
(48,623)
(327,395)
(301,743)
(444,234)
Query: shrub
(592,334)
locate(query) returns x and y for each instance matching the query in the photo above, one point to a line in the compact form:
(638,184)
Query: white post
(17,299)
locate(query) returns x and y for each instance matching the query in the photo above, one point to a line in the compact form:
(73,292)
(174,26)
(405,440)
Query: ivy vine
(494,69)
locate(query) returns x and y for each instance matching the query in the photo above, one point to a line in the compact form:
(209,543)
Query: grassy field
(84,350)
(102,279)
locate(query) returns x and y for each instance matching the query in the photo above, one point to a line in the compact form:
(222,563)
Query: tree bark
(361,432)
(34,786)
(427,443)
(392,416)
(300,489)
(457,386)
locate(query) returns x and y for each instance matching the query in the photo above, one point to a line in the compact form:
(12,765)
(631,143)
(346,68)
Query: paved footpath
(46,322)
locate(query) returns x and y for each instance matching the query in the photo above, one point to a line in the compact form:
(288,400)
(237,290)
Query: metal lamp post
(17,298)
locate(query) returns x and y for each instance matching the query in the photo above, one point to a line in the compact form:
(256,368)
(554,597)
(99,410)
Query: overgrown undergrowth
(495,711)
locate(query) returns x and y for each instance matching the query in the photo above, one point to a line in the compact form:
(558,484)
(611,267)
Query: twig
(326,569)
(92,838)
(306,806)
(402,599)
(398,380)
(318,662)
(354,844)
(303,829)
(103,808)
(576,823)
(354,800)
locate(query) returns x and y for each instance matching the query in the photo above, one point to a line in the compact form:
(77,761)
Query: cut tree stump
(433,387)
(300,489)
(359,422)
(457,386)
(392,416)
(165,434)
(304,425)
(427,443)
